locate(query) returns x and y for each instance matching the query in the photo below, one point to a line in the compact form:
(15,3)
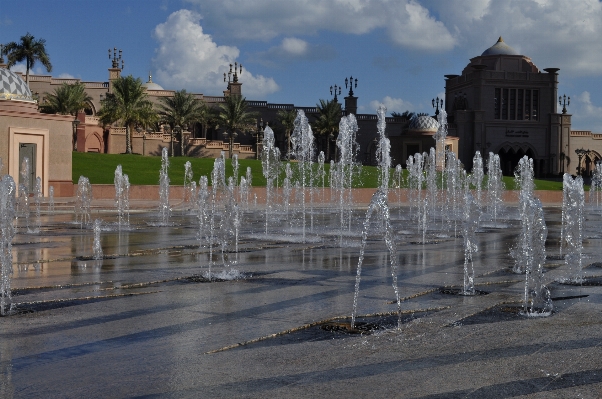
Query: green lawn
(100,169)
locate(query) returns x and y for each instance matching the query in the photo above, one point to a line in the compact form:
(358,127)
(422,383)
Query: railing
(117,130)
(96,85)
(257,103)
(281,106)
(214,99)
(580,133)
(197,141)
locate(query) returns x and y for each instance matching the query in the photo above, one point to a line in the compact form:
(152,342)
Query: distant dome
(12,87)
(150,85)
(500,48)
(423,123)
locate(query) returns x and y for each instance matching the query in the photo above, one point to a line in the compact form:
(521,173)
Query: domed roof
(500,48)
(12,87)
(423,123)
(150,85)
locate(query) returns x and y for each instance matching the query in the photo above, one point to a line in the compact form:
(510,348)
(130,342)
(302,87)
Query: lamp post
(258,137)
(75,124)
(350,81)
(437,103)
(580,154)
(175,130)
(565,102)
(333,90)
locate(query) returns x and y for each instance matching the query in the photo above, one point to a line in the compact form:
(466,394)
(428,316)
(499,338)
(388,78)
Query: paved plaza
(141,322)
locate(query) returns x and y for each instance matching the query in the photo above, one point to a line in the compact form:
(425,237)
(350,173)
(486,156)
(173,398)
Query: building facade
(504,104)
(26,133)
(206,141)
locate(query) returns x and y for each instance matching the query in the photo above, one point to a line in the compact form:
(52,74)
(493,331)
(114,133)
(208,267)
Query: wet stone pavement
(145,322)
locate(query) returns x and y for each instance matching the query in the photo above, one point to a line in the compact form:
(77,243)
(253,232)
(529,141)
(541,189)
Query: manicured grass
(141,170)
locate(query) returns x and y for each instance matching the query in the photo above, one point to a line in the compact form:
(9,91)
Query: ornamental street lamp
(116,59)
(565,102)
(350,81)
(258,137)
(333,90)
(75,124)
(437,103)
(580,154)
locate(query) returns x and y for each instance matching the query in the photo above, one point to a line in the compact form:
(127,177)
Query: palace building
(504,104)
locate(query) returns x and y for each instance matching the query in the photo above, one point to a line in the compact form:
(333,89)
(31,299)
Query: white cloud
(21,67)
(294,46)
(553,33)
(407,22)
(392,104)
(189,58)
(586,115)
(293,49)
(66,76)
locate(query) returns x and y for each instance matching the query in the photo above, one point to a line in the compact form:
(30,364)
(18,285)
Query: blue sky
(293,51)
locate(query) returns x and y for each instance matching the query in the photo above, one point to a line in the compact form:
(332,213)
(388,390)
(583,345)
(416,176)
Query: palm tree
(287,120)
(207,118)
(233,116)
(67,99)
(180,110)
(29,50)
(129,105)
(406,115)
(327,124)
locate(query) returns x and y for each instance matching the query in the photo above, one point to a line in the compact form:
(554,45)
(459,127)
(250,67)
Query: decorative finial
(500,40)
(150,77)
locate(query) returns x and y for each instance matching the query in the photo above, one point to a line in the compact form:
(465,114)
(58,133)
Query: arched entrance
(509,157)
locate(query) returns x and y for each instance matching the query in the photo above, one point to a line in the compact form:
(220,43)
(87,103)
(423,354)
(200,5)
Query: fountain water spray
(97,247)
(398,182)
(537,300)
(595,188)
(122,197)
(378,203)
(270,161)
(202,210)
(440,137)
(572,227)
(7,233)
(189,184)
(23,204)
(523,176)
(51,199)
(302,141)
(469,227)
(477,178)
(495,187)
(37,200)
(83,201)
(383,150)
(344,170)
(164,209)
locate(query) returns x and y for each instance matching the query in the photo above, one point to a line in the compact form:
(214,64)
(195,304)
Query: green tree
(180,110)
(29,50)
(129,105)
(327,123)
(286,118)
(234,116)
(67,99)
